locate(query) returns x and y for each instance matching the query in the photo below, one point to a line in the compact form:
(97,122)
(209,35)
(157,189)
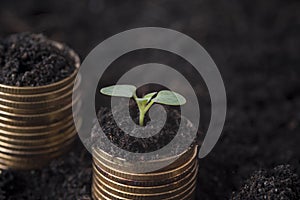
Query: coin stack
(176,181)
(36,123)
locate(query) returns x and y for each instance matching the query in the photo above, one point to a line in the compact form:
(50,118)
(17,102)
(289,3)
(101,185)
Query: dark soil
(68,177)
(256,46)
(139,145)
(31,60)
(278,183)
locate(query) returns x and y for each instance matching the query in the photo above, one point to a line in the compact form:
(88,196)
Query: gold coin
(102,193)
(43,116)
(39,107)
(45,88)
(57,146)
(38,101)
(185,157)
(151,193)
(36,109)
(181,172)
(189,196)
(36,133)
(37,138)
(99,193)
(139,177)
(34,129)
(184,194)
(117,163)
(36,97)
(146,189)
(16,90)
(36,144)
(171,174)
(39,143)
(40,119)
(43,121)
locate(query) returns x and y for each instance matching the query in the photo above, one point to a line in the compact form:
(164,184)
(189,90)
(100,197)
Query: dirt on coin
(28,59)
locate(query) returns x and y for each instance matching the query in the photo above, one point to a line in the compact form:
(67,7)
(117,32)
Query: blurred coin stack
(177,181)
(36,123)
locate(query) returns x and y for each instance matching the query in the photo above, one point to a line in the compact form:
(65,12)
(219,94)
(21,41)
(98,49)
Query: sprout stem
(142,116)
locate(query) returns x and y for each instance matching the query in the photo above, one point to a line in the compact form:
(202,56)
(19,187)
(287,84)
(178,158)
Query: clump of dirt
(279,183)
(28,59)
(141,145)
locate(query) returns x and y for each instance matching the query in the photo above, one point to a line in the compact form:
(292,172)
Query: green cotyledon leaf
(119,90)
(168,97)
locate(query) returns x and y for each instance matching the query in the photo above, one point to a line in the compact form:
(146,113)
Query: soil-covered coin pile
(278,183)
(32,60)
(134,144)
(36,123)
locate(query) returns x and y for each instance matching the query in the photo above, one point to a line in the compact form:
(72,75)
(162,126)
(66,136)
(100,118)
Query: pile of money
(36,123)
(177,181)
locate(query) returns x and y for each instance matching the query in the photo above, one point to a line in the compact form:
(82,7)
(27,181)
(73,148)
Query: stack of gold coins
(177,181)
(36,123)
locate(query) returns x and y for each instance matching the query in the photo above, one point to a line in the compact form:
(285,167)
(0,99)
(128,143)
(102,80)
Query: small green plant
(166,97)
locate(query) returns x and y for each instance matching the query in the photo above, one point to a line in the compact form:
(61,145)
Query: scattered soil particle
(279,183)
(31,60)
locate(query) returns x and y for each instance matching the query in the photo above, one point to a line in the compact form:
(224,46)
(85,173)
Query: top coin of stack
(36,83)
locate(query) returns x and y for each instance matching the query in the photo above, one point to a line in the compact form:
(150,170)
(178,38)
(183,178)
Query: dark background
(256,46)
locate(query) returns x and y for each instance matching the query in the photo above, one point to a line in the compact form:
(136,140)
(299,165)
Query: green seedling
(166,97)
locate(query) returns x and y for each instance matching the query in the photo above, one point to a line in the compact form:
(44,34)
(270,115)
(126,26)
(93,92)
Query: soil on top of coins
(28,59)
(121,138)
